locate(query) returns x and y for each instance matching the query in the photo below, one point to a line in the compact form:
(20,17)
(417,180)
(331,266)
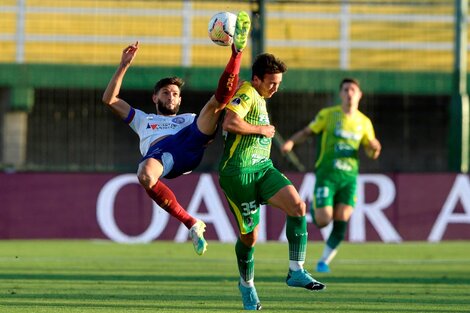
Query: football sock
(296,233)
(250,283)
(328,254)
(337,234)
(229,79)
(296,265)
(166,199)
(245,261)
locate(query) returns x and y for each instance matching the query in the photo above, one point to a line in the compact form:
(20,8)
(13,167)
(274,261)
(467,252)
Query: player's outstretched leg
(250,298)
(242,29)
(228,81)
(196,233)
(303,279)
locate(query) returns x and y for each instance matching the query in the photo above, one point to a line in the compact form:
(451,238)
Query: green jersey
(340,138)
(246,153)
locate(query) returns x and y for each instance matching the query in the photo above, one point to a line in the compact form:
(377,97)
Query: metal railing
(346,34)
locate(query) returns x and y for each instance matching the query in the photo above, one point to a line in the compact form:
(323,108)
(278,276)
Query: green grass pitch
(100,276)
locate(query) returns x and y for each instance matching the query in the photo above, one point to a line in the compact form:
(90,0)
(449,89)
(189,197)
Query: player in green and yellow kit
(249,179)
(341,130)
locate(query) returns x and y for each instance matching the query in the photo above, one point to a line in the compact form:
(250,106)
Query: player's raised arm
(110,95)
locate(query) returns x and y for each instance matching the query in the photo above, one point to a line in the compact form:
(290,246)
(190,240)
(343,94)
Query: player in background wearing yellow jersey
(341,130)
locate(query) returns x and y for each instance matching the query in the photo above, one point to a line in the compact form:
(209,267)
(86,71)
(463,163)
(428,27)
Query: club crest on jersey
(178,120)
(152,126)
(264,141)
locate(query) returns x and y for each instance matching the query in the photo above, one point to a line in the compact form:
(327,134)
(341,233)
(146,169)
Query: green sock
(245,260)
(296,232)
(337,234)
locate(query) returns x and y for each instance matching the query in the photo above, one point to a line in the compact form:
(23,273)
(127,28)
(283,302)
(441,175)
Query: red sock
(166,199)
(229,79)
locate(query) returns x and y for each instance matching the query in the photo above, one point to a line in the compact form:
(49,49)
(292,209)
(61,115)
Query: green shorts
(334,188)
(246,192)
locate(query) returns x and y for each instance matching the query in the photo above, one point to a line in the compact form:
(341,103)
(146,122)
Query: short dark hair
(168,81)
(349,80)
(267,63)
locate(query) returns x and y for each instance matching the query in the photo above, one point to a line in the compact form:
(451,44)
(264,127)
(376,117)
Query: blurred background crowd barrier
(57,56)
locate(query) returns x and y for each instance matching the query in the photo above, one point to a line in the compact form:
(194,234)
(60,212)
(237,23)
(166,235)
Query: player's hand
(129,53)
(269,131)
(373,149)
(287,146)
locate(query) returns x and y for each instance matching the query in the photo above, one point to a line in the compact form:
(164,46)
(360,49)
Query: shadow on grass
(325,307)
(217,299)
(60,306)
(298,300)
(187,295)
(232,276)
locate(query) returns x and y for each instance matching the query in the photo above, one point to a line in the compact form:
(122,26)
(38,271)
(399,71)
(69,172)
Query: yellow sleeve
(369,133)
(318,124)
(241,102)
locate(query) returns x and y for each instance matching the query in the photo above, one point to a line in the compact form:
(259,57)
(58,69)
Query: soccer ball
(222,27)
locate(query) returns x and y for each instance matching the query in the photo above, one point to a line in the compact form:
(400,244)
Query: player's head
(266,74)
(349,80)
(167,95)
(350,92)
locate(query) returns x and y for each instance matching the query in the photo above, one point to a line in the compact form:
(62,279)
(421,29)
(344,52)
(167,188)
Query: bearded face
(167,107)
(168,100)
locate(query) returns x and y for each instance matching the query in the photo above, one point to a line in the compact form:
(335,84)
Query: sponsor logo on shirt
(344,150)
(177,120)
(341,165)
(347,134)
(342,133)
(263,119)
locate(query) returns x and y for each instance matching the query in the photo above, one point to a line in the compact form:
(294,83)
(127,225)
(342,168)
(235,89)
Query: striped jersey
(340,138)
(246,153)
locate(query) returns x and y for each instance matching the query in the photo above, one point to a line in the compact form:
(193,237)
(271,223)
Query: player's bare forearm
(235,124)
(114,85)
(297,138)
(244,128)
(111,93)
(110,96)
(300,136)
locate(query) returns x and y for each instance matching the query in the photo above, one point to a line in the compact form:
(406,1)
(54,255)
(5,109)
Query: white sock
(250,283)
(328,254)
(296,265)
